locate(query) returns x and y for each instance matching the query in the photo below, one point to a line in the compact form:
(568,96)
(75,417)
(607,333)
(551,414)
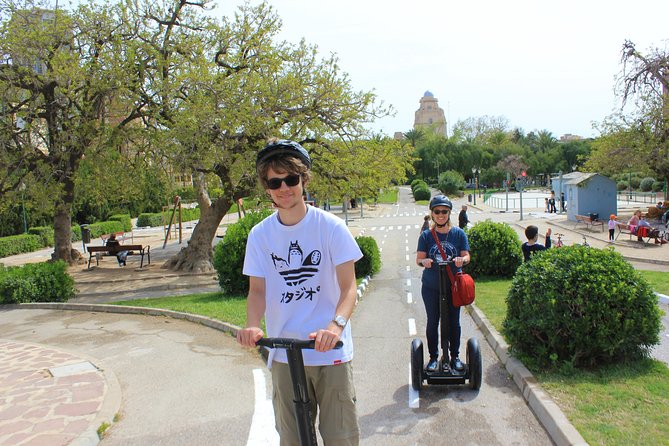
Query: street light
(474,172)
(22,187)
(436,164)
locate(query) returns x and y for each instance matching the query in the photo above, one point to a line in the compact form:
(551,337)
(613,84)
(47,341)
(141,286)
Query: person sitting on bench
(114,244)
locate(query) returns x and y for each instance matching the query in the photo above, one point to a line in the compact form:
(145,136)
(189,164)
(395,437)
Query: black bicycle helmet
(440,200)
(284,147)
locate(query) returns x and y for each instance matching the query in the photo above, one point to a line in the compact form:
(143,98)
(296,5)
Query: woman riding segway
(455,245)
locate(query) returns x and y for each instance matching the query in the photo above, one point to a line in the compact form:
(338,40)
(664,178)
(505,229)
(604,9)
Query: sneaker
(432,365)
(457,365)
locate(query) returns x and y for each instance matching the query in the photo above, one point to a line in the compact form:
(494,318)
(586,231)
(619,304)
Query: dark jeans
(431,301)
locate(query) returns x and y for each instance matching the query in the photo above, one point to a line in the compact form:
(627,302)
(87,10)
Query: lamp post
(23,207)
(629,183)
(474,171)
(436,164)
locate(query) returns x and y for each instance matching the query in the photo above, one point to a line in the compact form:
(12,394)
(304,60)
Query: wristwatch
(341,321)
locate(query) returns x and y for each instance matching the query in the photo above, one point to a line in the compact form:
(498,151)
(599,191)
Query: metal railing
(514,202)
(638,196)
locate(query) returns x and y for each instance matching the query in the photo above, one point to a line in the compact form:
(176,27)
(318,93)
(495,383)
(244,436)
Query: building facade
(430,116)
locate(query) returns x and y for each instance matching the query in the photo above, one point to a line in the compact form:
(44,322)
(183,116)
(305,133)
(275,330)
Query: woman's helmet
(284,147)
(440,200)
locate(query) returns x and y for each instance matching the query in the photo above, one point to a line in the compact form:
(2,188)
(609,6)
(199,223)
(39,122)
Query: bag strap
(443,254)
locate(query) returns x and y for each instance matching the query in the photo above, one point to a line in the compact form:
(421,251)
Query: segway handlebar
(289,343)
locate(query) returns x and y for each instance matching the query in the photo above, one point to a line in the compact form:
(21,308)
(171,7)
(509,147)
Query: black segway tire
(417,365)
(474,363)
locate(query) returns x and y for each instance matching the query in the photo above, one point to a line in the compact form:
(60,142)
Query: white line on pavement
(262,424)
(412,327)
(414,397)
(409,298)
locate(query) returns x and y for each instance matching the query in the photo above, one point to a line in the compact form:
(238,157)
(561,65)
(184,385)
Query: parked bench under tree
(133,250)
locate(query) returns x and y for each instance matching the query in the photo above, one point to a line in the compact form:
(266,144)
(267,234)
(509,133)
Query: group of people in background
(551,202)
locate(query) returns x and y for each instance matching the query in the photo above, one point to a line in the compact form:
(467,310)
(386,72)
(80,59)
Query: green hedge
(581,307)
(159,219)
(36,282)
(105,227)
(45,233)
(229,254)
(370,263)
(124,219)
(18,244)
(494,250)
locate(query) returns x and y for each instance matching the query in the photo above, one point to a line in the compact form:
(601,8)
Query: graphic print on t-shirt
(297,268)
(448,248)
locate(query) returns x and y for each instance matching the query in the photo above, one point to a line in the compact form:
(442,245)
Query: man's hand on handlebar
(326,339)
(249,336)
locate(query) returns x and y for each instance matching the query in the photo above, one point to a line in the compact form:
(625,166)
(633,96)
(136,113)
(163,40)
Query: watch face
(341,321)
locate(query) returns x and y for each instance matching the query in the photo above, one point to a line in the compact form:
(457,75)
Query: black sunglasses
(444,212)
(290,180)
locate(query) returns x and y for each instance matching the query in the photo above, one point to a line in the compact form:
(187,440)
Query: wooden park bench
(589,222)
(133,250)
(644,235)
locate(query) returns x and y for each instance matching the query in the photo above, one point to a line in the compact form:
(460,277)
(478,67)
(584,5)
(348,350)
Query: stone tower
(430,116)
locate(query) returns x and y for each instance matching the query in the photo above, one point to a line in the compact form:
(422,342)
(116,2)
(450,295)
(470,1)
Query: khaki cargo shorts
(332,397)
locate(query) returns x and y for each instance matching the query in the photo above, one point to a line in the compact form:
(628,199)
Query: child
(531,246)
(612,227)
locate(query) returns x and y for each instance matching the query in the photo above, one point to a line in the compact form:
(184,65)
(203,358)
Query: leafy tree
(59,79)
(220,90)
(643,133)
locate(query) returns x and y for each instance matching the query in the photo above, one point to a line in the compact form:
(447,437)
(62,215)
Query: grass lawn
(389,196)
(659,281)
(616,405)
(214,305)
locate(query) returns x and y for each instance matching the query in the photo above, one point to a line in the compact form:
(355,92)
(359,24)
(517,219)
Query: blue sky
(542,65)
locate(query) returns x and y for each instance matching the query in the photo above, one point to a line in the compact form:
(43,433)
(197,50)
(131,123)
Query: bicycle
(558,242)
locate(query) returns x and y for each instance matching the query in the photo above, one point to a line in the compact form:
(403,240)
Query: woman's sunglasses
(290,180)
(445,212)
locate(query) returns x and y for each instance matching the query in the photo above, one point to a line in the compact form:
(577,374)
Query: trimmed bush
(36,282)
(125,220)
(105,227)
(494,250)
(451,182)
(622,185)
(229,254)
(417,182)
(370,263)
(647,184)
(658,186)
(151,220)
(76,233)
(422,193)
(45,233)
(581,306)
(18,244)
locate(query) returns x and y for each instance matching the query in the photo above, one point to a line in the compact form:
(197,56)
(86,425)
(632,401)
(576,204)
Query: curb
(549,414)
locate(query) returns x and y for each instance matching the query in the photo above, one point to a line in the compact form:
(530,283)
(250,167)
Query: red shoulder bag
(462,284)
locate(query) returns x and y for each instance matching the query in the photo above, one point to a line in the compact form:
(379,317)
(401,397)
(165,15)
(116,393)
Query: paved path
(92,349)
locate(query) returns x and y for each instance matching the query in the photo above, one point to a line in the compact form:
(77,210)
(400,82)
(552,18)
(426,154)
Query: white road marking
(262,424)
(409,298)
(407,257)
(408,267)
(414,396)
(408,282)
(412,327)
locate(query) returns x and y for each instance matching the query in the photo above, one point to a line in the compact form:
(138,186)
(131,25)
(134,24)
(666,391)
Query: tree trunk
(62,225)
(198,255)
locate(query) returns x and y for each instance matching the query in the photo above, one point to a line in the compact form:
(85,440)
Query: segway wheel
(417,365)
(475,363)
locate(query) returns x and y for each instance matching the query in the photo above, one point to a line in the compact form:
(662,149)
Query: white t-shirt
(299,264)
